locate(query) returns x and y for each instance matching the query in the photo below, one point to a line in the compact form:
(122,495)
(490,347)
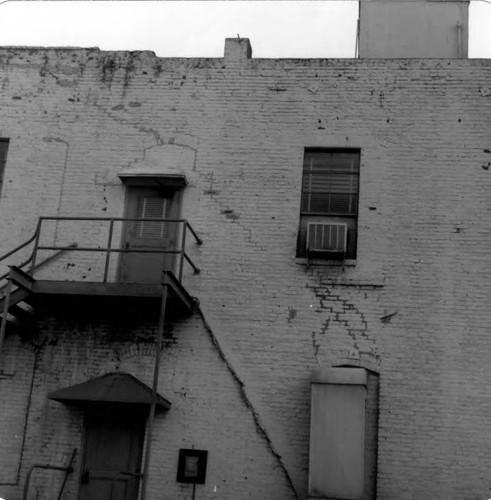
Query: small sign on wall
(192,466)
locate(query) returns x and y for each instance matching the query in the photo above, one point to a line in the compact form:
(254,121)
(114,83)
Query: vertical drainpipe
(459,39)
(151,416)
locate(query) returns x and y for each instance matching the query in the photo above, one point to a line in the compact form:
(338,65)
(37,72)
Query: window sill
(303,261)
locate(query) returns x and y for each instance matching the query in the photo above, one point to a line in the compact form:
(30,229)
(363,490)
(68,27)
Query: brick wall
(413,308)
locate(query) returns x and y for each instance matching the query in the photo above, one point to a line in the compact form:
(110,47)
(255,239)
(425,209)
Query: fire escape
(39,277)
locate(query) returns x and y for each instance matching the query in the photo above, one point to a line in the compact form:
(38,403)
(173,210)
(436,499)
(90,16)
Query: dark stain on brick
(277,88)
(65,82)
(119,107)
(128,71)
(157,69)
(16,97)
(230,214)
(372,208)
(134,104)
(486,166)
(387,317)
(108,69)
(292,314)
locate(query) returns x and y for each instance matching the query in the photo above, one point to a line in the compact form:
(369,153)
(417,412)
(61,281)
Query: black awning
(117,387)
(176,181)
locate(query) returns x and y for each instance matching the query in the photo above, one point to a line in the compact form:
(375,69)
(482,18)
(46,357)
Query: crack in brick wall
(245,398)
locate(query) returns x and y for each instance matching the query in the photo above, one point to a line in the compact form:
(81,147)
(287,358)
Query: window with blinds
(330,182)
(329,203)
(4,145)
(151,207)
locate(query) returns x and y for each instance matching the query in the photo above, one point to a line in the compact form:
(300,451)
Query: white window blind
(152,207)
(330,183)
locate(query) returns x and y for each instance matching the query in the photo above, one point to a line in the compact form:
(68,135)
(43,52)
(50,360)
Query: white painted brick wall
(75,118)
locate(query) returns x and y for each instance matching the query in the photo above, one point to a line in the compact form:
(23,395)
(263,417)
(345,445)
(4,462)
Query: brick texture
(414,307)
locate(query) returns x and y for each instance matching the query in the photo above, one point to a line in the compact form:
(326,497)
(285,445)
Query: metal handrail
(67,470)
(108,249)
(23,245)
(38,265)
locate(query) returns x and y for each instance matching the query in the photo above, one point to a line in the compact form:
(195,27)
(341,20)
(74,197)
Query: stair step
(23,314)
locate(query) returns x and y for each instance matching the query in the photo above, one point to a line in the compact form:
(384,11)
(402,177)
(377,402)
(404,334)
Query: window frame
(350,216)
(4,149)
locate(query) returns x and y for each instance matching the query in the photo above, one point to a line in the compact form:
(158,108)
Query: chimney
(237,49)
(414,28)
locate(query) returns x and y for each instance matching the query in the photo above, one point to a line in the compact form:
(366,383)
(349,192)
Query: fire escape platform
(52,293)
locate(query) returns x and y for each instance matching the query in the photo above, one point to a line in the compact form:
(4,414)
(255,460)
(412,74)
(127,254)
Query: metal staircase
(23,290)
(15,305)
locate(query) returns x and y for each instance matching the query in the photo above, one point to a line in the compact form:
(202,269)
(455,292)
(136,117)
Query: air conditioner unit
(327,237)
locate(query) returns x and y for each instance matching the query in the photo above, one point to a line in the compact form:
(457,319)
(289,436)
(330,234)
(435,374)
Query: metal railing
(67,470)
(17,249)
(33,262)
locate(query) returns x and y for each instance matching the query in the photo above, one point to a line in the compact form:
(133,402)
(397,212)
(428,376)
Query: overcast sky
(198,29)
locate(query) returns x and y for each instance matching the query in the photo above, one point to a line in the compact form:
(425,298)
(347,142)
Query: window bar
(163,223)
(108,249)
(309,198)
(350,187)
(144,209)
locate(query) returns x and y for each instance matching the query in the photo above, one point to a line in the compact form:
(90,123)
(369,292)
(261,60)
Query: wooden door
(141,267)
(112,456)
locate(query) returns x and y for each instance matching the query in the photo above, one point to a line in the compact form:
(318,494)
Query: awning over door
(117,387)
(153,179)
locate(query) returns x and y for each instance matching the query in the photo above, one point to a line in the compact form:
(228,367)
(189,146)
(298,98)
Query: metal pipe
(6,306)
(20,247)
(151,415)
(183,246)
(196,269)
(117,219)
(357,40)
(36,244)
(108,250)
(199,241)
(459,38)
(67,469)
(103,249)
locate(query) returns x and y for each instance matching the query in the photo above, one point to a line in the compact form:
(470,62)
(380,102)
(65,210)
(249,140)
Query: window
(4,145)
(329,205)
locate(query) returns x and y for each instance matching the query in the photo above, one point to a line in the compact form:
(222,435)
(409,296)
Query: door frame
(132,411)
(172,192)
